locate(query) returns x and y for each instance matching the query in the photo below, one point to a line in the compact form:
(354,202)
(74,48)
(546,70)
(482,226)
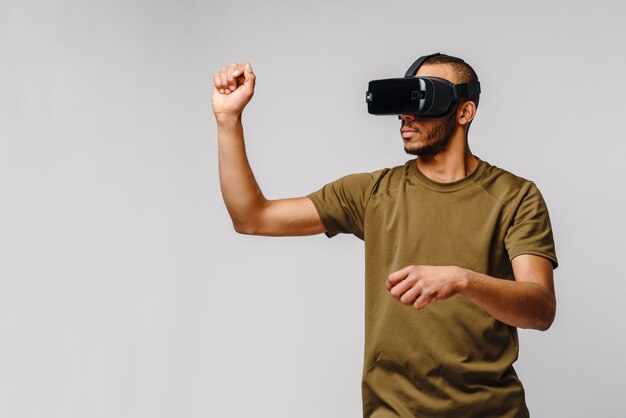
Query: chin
(422,151)
(413,151)
(412,147)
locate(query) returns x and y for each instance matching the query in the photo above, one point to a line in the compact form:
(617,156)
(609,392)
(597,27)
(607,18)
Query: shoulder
(506,187)
(497,177)
(374,179)
(387,180)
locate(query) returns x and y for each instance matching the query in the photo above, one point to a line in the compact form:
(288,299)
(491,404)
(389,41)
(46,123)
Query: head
(427,137)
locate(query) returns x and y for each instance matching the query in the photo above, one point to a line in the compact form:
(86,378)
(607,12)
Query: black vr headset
(424,97)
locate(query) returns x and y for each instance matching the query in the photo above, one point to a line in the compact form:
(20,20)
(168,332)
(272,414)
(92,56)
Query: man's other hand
(421,285)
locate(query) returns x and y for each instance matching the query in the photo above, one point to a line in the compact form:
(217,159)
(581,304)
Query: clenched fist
(234,87)
(422,285)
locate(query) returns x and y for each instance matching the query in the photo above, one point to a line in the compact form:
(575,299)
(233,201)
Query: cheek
(434,131)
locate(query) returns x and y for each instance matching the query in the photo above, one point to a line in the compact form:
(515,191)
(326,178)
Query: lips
(407,133)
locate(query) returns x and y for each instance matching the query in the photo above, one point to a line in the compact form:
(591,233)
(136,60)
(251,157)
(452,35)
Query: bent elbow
(544,326)
(243,229)
(548,319)
(537,324)
(248,227)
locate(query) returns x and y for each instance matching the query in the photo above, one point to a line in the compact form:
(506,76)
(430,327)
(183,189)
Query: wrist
(228,119)
(463,279)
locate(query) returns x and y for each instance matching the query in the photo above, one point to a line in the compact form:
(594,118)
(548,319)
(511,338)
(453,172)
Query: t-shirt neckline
(452,186)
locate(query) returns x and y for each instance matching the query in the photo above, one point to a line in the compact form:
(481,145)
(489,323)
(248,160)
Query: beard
(437,139)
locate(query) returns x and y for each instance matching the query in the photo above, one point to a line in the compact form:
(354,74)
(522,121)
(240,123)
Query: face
(424,137)
(427,137)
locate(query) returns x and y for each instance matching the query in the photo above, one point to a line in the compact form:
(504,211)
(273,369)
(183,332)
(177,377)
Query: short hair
(462,70)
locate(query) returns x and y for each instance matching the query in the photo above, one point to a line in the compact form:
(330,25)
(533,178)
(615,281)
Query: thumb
(245,75)
(247,70)
(249,77)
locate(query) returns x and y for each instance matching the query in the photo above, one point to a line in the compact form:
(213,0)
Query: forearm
(242,195)
(517,303)
(250,212)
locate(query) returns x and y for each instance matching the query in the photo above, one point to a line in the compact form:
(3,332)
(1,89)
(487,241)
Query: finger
(224,80)
(400,289)
(217,82)
(232,82)
(411,295)
(424,299)
(397,276)
(238,71)
(245,69)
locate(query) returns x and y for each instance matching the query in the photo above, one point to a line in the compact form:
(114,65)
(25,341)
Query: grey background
(124,291)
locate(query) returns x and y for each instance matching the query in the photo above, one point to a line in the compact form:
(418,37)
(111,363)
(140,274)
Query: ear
(466,112)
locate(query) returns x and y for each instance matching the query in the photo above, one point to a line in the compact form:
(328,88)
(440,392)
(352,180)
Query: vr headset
(424,97)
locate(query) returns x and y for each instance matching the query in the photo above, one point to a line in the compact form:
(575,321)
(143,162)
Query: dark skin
(527,302)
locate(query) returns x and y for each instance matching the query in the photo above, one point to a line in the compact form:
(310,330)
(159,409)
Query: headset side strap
(465,90)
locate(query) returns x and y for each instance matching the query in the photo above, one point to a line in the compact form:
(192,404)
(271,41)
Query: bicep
(534,269)
(290,217)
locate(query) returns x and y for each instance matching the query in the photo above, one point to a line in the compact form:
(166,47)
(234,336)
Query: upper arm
(530,231)
(337,207)
(535,269)
(287,217)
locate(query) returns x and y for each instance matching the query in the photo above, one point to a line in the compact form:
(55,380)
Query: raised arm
(249,210)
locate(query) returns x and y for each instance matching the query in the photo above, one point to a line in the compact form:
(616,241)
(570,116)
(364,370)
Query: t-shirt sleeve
(530,231)
(342,203)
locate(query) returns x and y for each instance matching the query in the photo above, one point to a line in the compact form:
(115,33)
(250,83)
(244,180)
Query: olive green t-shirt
(451,359)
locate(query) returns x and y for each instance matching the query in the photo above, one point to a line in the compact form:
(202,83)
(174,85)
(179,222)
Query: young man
(445,227)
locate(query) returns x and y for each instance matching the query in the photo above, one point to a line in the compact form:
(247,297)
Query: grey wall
(124,291)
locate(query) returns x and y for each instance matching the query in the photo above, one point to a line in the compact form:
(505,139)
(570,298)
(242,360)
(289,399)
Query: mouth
(408,133)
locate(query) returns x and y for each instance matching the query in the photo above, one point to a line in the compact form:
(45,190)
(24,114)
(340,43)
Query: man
(445,227)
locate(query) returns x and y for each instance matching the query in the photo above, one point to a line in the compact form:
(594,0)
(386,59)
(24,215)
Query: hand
(421,285)
(234,87)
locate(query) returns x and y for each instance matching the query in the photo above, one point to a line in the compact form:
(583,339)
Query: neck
(453,164)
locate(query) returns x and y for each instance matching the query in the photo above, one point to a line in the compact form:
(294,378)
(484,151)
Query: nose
(406,118)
